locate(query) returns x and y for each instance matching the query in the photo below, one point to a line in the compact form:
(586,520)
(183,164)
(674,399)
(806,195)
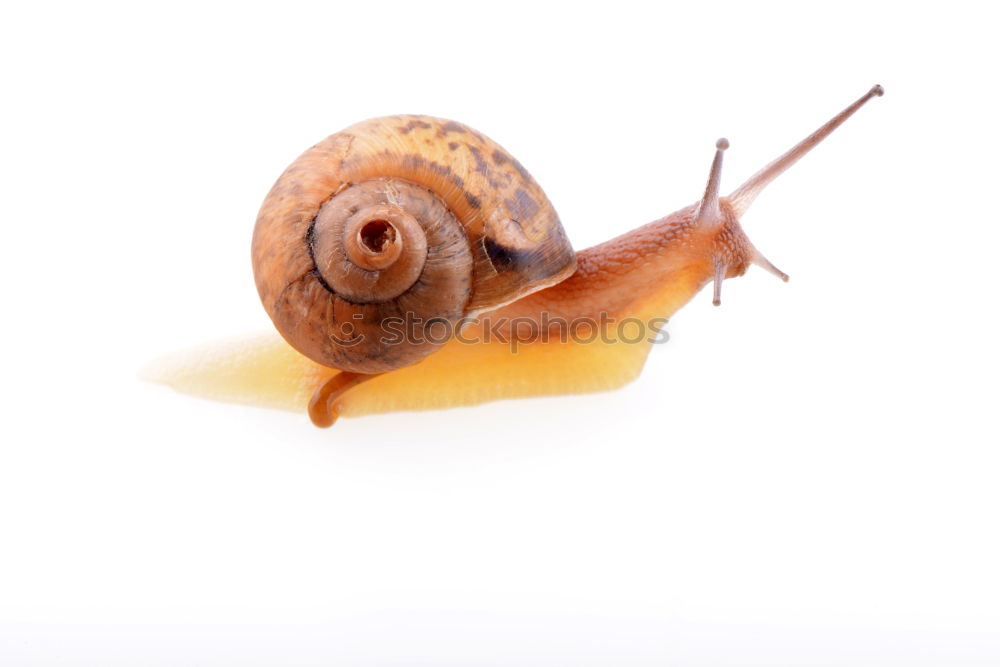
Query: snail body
(416,218)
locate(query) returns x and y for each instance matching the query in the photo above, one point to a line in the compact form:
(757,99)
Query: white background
(807,475)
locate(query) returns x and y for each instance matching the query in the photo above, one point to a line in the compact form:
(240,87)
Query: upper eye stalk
(716,212)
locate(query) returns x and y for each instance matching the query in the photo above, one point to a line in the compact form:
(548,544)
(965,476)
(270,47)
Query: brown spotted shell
(376,242)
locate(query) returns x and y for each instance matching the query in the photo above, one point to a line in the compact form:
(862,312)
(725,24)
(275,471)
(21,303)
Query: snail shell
(394,217)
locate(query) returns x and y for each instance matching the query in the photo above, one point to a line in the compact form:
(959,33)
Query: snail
(384,252)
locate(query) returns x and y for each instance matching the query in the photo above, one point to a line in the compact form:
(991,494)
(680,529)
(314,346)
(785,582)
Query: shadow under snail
(404,257)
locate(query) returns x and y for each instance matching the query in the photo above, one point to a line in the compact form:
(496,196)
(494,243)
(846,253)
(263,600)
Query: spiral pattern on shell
(409,220)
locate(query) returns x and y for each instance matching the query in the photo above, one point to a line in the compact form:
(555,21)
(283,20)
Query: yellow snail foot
(265,371)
